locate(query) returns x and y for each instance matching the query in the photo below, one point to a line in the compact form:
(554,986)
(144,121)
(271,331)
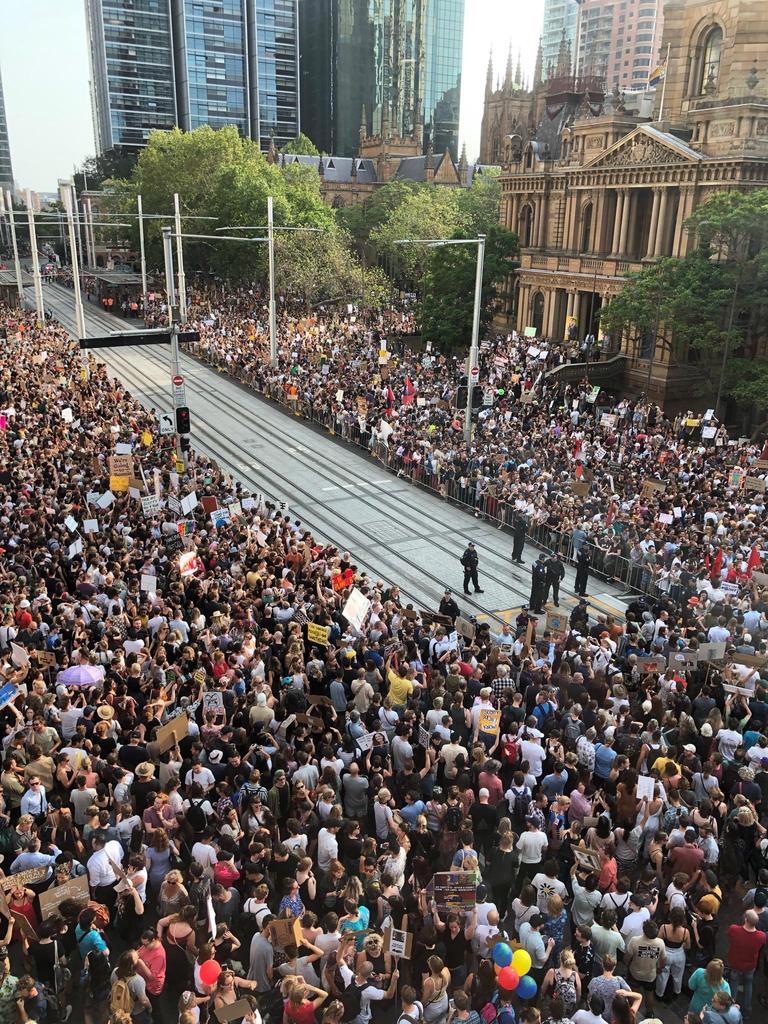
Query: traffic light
(185,443)
(182,420)
(461,396)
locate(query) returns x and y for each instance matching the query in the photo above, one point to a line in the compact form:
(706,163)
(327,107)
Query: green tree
(111,165)
(319,267)
(302,145)
(426,212)
(448,303)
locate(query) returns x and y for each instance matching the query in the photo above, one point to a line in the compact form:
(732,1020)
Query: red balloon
(509,979)
(211,969)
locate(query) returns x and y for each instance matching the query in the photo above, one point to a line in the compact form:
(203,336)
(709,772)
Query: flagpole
(664,86)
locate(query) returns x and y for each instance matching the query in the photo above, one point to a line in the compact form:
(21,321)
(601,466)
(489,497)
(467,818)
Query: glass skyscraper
(6,170)
(161,63)
(395,63)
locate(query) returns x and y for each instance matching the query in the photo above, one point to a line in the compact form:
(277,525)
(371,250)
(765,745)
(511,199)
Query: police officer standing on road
(518,537)
(555,574)
(583,561)
(469,561)
(538,585)
(448,606)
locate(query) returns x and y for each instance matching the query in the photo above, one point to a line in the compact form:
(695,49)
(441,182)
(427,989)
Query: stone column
(598,213)
(541,227)
(550,322)
(522,303)
(625,217)
(545,313)
(617,222)
(574,225)
(513,213)
(684,207)
(651,248)
(576,312)
(661,227)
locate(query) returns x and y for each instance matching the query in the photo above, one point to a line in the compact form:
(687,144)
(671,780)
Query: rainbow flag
(659,74)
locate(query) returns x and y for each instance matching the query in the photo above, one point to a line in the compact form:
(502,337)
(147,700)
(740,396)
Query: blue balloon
(527,988)
(502,954)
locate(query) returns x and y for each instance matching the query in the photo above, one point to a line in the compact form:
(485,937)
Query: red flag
(390,397)
(611,513)
(754,561)
(409,388)
(717,564)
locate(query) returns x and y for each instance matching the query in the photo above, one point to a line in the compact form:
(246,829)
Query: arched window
(709,71)
(586,228)
(537,313)
(526,226)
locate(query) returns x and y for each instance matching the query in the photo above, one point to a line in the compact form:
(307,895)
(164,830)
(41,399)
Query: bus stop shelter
(9,292)
(114,291)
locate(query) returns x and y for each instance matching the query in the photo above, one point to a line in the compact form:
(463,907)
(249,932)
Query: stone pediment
(645,147)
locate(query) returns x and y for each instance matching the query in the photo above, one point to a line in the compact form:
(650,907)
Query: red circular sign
(475,372)
(178,381)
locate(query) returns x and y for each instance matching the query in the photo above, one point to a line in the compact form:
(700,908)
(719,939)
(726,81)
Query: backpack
(521,800)
(120,998)
(196,816)
(565,989)
(453,818)
(573,730)
(546,721)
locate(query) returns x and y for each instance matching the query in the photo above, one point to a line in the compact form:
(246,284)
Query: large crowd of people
(269,791)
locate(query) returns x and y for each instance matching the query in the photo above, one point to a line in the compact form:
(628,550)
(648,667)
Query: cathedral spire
(508,73)
(519,71)
(563,68)
(539,69)
(489,75)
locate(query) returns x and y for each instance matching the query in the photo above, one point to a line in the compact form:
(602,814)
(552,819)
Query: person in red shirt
(151,965)
(688,858)
(744,945)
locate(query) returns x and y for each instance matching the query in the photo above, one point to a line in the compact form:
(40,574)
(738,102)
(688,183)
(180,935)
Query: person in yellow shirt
(401,687)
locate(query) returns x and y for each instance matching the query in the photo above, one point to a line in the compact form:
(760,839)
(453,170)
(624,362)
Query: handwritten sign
(121,465)
(343,580)
(489,721)
(74,889)
(646,787)
(213,701)
(150,505)
(172,732)
(653,663)
(466,628)
(317,634)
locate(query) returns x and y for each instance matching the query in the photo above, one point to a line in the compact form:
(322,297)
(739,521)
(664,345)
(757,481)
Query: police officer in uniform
(448,606)
(583,561)
(555,574)
(469,561)
(538,585)
(518,537)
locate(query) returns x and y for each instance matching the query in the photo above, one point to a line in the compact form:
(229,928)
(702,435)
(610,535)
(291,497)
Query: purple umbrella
(81,675)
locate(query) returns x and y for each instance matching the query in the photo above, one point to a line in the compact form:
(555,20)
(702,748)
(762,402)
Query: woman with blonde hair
(704,982)
(434,994)
(565,982)
(383,814)
(298,1007)
(373,951)
(173,895)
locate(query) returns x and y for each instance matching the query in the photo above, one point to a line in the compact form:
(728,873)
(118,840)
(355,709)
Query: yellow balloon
(521,961)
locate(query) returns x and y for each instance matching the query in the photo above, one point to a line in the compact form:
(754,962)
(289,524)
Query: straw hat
(105,712)
(145,770)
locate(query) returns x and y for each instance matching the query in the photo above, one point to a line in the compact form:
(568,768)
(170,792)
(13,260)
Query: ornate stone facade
(610,192)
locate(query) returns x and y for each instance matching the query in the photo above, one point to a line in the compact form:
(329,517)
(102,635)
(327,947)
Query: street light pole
(170,292)
(16,260)
(143,254)
(67,193)
(272,309)
(182,294)
(35,260)
(474,351)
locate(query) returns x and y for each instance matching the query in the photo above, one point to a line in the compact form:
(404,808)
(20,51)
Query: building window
(586,228)
(526,227)
(710,63)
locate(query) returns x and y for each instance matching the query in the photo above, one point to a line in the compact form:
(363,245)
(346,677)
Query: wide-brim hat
(145,770)
(105,712)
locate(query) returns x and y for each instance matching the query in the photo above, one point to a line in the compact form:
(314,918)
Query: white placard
(134,492)
(123,448)
(71,523)
(174,505)
(19,656)
(91,497)
(149,583)
(75,549)
(248,504)
(646,786)
(150,505)
(106,499)
(708,432)
(67,415)
(188,502)
(355,611)
(213,700)
(91,525)
(364,742)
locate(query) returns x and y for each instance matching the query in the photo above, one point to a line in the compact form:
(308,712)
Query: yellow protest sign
(119,483)
(146,439)
(489,721)
(179,466)
(317,634)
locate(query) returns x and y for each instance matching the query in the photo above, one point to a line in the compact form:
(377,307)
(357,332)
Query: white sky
(44,66)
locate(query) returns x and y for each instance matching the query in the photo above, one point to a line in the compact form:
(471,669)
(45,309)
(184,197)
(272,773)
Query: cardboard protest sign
(557,624)
(74,889)
(454,891)
(750,660)
(754,483)
(653,486)
(118,484)
(760,578)
(489,721)
(714,651)
(652,663)
(233,1011)
(172,732)
(429,617)
(46,659)
(29,877)
(743,690)
(317,634)
(580,487)
(685,661)
(587,860)
(121,465)
(285,932)
(355,611)
(466,628)
(398,943)
(423,737)
(316,699)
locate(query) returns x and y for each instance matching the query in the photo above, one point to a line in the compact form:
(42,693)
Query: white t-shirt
(633,923)
(727,742)
(546,887)
(531,846)
(206,856)
(535,755)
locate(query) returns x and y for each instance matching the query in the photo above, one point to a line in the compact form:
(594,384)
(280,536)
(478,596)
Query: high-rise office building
(620,40)
(559,17)
(162,63)
(390,66)
(6,169)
